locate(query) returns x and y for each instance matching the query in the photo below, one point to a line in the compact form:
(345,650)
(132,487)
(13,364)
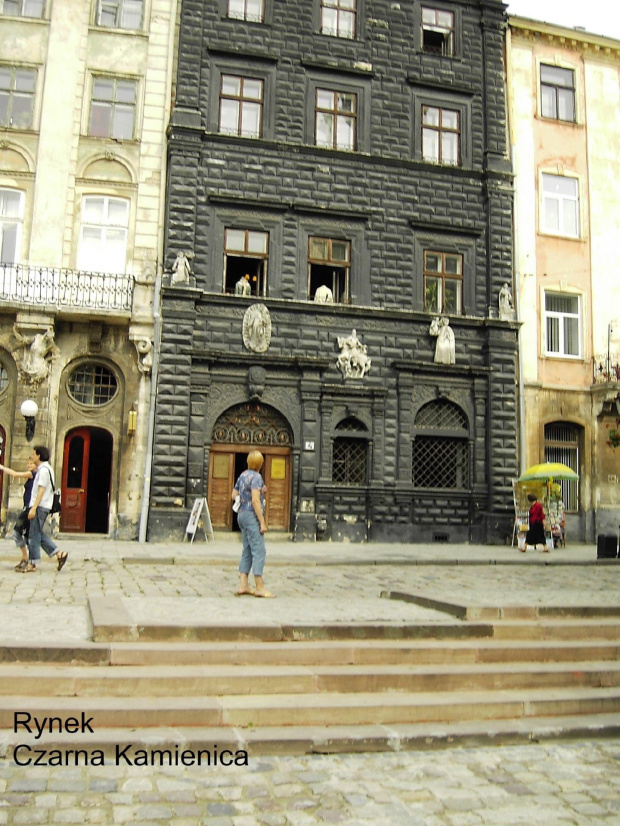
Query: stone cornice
(593,45)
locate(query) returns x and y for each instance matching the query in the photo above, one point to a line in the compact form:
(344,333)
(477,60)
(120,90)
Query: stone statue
(181,269)
(444,349)
(506,308)
(352,362)
(257,328)
(38,351)
(257,377)
(242,287)
(324,295)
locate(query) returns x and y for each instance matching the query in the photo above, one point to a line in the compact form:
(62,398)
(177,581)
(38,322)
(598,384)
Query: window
(17,88)
(11,219)
(441,447)
(120,14)
(4,378)
(440,135)
(335,119)
(113,108)
(350,454)
(22,8)
(251,10)
(562,323)
(561,205)
(438,32)
(246,252)
(338,18)
(557,93)
(443,282)
(329,264)
(103,239)
(241,106)
(562,445)
(92,384)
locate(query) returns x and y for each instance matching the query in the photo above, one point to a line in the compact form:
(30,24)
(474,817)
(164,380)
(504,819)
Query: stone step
(215,680)
(181,745)
(259,710)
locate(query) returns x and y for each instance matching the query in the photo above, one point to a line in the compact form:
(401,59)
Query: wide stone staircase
(488,675)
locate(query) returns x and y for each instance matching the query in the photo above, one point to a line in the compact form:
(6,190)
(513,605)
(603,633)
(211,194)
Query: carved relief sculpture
(38,350)
(353,361)
(242,287)
(181,268)
(257,328)
(256,381)
(144,346)
(506,308)
(445,347)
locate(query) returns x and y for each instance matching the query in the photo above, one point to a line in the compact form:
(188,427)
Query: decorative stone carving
(257,328)
(444,349)
(256,381)
(144,346)
(242,287)
(181,268)
(324,295)
(37,352)
(353,361)
(506,307)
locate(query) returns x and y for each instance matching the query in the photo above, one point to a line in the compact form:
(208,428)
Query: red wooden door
(75,481)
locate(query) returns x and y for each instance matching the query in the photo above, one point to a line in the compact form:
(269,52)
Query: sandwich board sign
(194,520)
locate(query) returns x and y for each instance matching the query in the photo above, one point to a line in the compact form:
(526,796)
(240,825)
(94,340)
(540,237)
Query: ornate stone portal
(257,328)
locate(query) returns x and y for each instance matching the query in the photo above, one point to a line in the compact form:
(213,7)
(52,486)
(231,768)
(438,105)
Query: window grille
(252,424)
(441,415)
(350,461)
(92,384)
(440,462)
(562,445)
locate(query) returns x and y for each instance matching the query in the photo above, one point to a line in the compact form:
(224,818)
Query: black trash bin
(606,546)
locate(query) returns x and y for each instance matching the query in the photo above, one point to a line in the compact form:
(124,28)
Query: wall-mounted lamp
(29,410)
(132,421)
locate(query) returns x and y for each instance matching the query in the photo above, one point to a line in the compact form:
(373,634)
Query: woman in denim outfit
(251,489)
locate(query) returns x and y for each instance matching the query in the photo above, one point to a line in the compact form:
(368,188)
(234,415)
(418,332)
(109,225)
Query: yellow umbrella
(549,470)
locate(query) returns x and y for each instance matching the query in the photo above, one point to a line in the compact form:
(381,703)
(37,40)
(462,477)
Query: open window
(246,253)
(438,32)
(329,264)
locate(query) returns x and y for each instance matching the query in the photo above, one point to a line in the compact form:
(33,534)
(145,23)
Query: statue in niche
(353,361)
(181,268)
(445,347)
(38,351)
(324,295)
(243,287)
(257,328)
(506,307)
(256,381)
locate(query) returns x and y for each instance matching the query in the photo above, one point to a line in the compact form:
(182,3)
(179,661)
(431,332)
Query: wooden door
(75,481)
(276,473)
(221,482)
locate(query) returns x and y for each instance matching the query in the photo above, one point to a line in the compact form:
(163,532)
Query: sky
(596,16)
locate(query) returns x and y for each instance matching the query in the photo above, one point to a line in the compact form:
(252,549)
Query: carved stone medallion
(257,328)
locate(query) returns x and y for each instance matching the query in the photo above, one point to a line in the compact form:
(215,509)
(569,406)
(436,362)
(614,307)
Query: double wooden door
(227,463)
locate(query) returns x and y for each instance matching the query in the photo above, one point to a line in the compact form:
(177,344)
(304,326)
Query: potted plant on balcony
(614,435)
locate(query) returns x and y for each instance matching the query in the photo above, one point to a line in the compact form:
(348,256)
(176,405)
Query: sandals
(29,568)
(22,565)
(61,558)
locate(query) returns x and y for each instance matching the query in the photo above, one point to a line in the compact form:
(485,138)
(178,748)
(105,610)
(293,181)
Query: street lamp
(29,410)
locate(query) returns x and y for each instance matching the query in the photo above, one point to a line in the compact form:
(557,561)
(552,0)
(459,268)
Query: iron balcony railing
(50,286)
(607,368)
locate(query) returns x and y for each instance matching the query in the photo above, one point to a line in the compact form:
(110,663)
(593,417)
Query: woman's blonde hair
(255,460)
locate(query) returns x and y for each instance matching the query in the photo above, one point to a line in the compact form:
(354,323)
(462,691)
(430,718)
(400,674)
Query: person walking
(251,489)
(21,527)
(536,533)
(41,499)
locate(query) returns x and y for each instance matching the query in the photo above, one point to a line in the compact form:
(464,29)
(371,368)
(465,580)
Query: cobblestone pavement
(565,784)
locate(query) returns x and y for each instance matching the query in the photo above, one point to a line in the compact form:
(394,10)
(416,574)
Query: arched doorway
(2,448)
(240,429)
(86,477)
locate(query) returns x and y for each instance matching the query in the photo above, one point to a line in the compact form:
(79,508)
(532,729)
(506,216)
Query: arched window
(350,453)
(441,447)
(4,378)
(562,445)
(92,384)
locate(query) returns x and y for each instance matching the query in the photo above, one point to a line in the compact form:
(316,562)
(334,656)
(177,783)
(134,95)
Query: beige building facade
(85,96)
(563,90)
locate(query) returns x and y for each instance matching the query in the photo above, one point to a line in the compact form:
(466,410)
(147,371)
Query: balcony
(606,368)
(62,291)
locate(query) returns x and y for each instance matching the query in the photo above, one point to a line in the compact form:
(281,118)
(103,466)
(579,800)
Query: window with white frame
(562,324)
(241,106)
(11,222)
(103,234)
(251,10)
(336,119)
(557,93)
(560,205)
(22,8)
(120,14)
(338,18)
(438,32)
(441,136)
(113,108)
(17,88)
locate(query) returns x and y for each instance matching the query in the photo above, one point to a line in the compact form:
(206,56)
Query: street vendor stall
(541,480)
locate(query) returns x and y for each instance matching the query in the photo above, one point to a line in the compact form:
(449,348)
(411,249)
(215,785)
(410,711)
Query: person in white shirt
(41,499)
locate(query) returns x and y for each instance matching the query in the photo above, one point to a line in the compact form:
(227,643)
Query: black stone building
(356,148)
